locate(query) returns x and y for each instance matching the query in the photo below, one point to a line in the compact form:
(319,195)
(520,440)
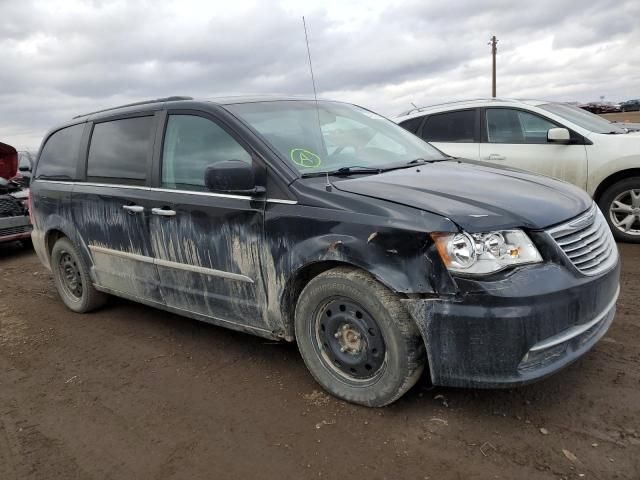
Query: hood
(476,196)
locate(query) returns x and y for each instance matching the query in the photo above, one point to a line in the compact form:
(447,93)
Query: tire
(67,263)
(620,192)
(26,243)
(387,356)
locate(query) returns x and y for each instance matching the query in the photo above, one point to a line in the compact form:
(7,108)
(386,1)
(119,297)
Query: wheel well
(295,286)
(52,237)
(611,179)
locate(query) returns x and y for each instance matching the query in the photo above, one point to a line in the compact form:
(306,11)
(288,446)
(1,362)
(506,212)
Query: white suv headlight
(482,253)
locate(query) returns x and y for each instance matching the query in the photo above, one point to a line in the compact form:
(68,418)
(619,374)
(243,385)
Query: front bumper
(14,228)
(516,329)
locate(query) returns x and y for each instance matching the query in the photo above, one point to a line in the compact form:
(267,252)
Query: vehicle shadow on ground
(200,338)
(14,250)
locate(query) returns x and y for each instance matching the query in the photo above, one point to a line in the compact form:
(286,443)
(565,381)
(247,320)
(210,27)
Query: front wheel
(357,339)
(620,204)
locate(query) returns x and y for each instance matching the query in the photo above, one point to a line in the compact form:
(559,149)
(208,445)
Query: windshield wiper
(345,171)
(356,169)
(418,160)
(359,169)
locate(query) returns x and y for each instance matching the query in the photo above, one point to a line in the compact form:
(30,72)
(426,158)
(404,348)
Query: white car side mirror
(558,135)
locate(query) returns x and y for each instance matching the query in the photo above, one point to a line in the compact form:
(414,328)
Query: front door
(518,139)
(111,208)
(206,244)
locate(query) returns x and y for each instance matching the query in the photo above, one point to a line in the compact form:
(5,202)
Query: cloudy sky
(65,57)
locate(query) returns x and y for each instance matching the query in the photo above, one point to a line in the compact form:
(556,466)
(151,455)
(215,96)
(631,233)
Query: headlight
(481,253)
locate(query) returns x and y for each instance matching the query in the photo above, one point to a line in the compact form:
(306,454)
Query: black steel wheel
(72,279)
(357,339)
(349,339)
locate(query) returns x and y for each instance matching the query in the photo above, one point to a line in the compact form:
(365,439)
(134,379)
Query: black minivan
(325,223)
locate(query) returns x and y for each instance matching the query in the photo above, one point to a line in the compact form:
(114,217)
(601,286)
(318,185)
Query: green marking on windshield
(305,158)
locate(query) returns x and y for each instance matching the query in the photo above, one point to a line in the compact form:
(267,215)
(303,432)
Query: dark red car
(14,212)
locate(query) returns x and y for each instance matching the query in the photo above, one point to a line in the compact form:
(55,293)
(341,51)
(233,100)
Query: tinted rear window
(450,127)
(119,150)
(59,156)
(412,124)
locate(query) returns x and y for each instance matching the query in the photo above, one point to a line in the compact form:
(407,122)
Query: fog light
(540,358)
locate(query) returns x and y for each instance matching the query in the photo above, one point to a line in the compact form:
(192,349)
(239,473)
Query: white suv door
(518,138)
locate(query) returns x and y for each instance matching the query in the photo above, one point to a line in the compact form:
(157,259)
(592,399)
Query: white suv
(554,139)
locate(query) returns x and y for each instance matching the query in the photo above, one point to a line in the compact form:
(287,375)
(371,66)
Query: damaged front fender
(401,254)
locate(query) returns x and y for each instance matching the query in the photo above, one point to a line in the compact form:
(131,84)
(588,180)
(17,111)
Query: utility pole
(494,49)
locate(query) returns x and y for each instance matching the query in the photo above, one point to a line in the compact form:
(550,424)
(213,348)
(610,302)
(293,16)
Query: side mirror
(231,176)
(558,135)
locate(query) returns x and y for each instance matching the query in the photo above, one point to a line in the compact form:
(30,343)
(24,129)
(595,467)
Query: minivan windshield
(330,136)
(582,118)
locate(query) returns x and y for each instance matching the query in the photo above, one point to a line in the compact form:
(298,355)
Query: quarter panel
(51,210)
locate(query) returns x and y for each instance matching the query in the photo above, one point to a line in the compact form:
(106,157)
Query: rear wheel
(72,280)
(620,204)
(357,339)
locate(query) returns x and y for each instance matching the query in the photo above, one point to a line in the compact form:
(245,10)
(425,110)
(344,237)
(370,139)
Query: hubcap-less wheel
(70,274)
(349,340)
(624,212)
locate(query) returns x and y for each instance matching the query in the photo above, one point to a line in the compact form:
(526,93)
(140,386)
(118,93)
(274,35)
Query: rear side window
(191,144)
(59,156)
(412,124)
(119,150)
(451,127)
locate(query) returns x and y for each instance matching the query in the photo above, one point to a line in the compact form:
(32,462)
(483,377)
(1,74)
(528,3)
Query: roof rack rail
(452,102)
(174,98)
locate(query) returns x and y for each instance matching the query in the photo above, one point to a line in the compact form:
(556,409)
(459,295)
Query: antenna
(313,82)
(328,187)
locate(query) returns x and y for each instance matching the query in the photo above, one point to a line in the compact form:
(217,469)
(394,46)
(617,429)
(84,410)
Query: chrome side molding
(171,264)
(168,190)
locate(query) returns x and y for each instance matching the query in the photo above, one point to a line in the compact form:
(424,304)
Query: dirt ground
(630,117)
(130,392)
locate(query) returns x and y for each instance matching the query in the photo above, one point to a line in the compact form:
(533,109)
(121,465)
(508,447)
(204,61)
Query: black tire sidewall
(607,198)
(382,389)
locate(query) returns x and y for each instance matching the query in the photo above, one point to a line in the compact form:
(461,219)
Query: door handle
(495,156)
(163,212)
(133,208)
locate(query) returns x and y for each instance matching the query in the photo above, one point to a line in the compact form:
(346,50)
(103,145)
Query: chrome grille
(587,242)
